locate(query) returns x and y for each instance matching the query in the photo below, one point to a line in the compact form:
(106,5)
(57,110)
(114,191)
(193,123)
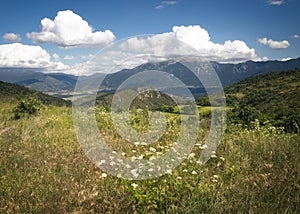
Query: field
(44,170)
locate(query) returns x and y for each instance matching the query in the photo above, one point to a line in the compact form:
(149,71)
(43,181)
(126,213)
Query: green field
(44,170)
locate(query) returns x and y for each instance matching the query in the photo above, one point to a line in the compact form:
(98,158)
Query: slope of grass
(273,96)
(43,170)
(13,92)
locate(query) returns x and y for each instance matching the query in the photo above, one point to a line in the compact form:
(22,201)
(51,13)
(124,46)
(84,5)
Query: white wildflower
(134,185)
(101,162)
(191,155)
(169,171)
(152,149)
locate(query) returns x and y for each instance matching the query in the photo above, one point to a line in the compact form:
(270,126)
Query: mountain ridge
(59,83)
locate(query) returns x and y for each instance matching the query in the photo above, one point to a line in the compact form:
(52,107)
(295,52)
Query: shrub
(27,106)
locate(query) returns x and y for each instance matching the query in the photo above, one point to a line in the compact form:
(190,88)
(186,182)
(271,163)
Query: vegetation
(44,170)
(272,97)
(25,107)
(256,168)
(13,92)
(151,100)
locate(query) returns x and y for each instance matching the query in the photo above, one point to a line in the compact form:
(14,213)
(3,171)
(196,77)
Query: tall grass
(43,170)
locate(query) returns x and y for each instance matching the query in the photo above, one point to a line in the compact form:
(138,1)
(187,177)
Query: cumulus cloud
(182,41)
(26,56)
(12,37)
(69,30)
(276,2)
(199,39)
(274,44)
(164,4)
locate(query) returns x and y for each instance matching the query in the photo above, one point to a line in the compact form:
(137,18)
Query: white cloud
(274,44)
(69,30)
(12,37)
(191,41)
(89,56)
(68,57)
(138,50)
(296,36)
(276,2)
(164,4)
(286,59)
(26,56)
(199,39)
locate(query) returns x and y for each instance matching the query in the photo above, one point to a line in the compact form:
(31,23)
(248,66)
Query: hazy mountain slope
(46,82)
(59,83)
(231,73)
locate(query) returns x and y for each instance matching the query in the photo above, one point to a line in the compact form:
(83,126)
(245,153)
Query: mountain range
(60,83)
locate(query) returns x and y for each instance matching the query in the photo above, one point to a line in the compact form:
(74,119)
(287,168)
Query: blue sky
(270,28)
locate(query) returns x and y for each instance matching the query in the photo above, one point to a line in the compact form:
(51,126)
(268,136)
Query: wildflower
(179,178)
(222,159)
(203,147)
(134,173)
(194,172)
(214,180)
(103,175)
(191,155)
(169,171)
(199,162)
(185,170)
(213,156)
(101,162)
(134,185)
(152,158)
(152,149)
(216,176)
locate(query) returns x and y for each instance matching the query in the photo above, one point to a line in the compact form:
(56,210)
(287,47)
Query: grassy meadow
(43,169)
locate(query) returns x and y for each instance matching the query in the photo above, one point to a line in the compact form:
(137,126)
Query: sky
(62,35)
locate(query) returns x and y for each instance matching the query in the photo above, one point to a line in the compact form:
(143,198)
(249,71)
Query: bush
(25,107)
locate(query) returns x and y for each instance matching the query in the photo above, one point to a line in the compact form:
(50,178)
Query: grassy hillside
(13,92)
(152,100)
(273,97)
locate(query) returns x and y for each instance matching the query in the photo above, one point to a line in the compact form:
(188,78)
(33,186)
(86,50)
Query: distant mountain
(59,83)
(228,73)
(231,73)
(45,82)
(13,92)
